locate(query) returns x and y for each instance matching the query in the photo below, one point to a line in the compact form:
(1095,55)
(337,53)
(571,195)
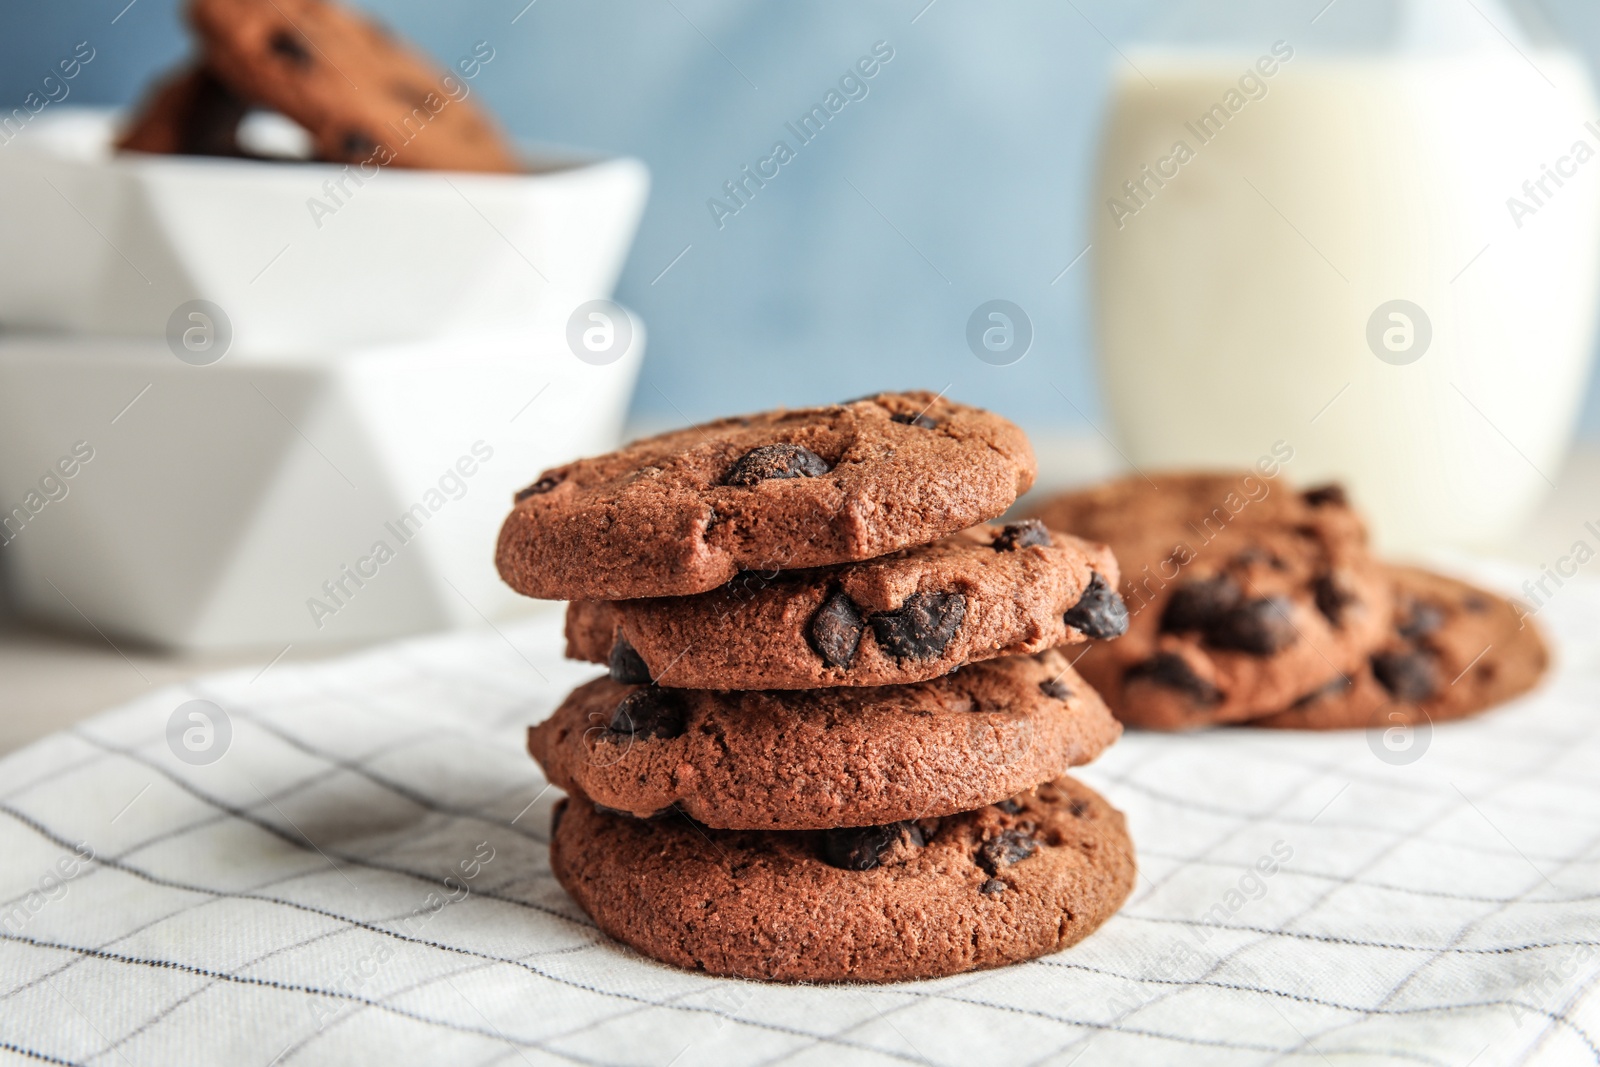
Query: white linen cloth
(362,878)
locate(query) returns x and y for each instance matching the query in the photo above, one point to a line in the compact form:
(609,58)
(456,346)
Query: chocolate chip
(1004,849)
(834,632)
(289,46)
(540,487)
(1409,675)
(556,812)
(356,143)
(1333,596)
(1171,671)
(407,93)
(1256,554)
(212,124)
(1323,692)
(1010,807)
(776,461)
(861,848)
(919,421)
(1100,612)
(1198,604)
(1421,619)
(1332,493)
(1259,627)
(627,666)
(922,627)
(1024,534)
(1054,687)
(647,713)
(992,886)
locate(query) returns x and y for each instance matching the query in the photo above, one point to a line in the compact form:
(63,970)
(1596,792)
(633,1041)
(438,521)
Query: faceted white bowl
(221,498)
(99,242)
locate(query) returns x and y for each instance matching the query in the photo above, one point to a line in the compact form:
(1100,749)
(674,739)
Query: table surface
(55,678)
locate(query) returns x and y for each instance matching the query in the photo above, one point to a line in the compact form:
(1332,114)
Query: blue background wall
(959,178)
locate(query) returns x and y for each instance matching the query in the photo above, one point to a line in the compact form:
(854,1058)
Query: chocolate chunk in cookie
(648,713)
(290,47)
(1200,604)
(625,664)
(1334,596)
(861,848)
(1015,535)
(1260,627)
(1331,493)
(921,628)
(835,631)
(1171,671)
(1419,618)
(1100,612)
(1011,845)
(1055,689)
(776,461)
(1410,674)
(543,485)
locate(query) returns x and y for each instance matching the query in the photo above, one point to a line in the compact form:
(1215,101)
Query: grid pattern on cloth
(362,878)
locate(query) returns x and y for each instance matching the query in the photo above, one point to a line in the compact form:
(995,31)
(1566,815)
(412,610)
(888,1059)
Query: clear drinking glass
(1367,231)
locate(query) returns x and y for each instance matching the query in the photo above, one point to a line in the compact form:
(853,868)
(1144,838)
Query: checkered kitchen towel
(345,863)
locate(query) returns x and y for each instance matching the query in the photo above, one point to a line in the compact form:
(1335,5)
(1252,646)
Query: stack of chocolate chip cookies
(832,741)
(1253,603)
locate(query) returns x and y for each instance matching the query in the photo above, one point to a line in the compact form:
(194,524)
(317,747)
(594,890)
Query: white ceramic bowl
(302,257)
(216,501)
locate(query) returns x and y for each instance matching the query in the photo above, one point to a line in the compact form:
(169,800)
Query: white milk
(1233,306)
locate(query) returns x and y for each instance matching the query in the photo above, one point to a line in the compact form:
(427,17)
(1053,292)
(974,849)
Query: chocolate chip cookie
(363,95)
(685,512)
(1453,650)
(905,617)
(826,757)
(1002,884)
(1244,594)
(191,113)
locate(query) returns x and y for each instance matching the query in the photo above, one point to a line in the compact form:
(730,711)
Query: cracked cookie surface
(684,512)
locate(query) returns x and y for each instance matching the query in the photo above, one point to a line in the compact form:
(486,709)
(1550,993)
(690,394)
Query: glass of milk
(1367,230)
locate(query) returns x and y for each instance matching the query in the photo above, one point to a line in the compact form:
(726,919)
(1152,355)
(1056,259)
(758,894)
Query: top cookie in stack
(832,740)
